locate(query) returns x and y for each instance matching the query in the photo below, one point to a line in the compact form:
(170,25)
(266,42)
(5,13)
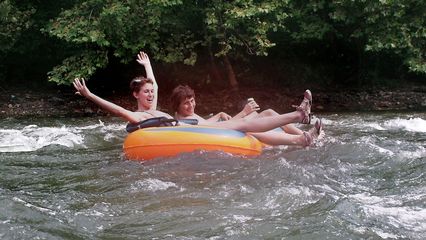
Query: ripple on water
(365,180)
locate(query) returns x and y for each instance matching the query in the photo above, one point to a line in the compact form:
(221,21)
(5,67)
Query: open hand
(143,59)
(80,86)
(250,107)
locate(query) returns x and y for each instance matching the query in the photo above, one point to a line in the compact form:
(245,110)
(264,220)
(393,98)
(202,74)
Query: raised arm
(80,86)
(143,60)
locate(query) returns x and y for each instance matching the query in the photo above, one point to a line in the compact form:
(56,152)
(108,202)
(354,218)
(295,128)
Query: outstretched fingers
(77,85)
(142,58)
(84,82)
(251,106)
(254,106)
(80,86)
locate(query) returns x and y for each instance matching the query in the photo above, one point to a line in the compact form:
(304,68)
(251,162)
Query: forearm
(149,72)
(113,108)
(150,75)
(214,118)
(240,115)
(250,108)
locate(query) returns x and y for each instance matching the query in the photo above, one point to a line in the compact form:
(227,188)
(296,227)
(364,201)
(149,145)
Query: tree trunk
(214,73)
(230,74)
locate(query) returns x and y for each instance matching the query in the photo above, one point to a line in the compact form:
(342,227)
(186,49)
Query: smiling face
(182,101)
(187,107)
(145,96)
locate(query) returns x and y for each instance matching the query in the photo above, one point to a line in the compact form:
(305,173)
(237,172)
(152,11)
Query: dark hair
(179,94)
(138,82)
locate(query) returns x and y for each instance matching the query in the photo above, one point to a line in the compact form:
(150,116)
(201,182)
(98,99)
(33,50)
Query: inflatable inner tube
(154,142)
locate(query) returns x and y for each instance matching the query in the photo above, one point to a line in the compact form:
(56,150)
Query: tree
(376,27)
(121,28)
(13,22)
(175,30)
(237,27)
(94,31)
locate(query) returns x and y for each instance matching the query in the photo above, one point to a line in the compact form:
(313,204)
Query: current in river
(66,178)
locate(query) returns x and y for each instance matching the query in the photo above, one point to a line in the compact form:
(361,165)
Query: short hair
(179,94)
(138,82)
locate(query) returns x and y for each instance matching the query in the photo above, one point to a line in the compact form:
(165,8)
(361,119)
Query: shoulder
(198,116)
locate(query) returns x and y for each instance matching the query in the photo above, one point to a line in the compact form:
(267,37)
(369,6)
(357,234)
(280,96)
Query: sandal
(313,133)
(308,139)
(305,107)
(317,128)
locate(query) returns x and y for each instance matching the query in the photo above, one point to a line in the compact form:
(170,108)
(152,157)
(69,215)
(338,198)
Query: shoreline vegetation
(268,50)
(63,103)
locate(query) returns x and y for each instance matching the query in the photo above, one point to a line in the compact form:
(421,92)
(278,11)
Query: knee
(269,112)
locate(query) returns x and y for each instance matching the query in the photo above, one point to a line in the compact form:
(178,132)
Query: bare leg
(253,115)
(304,109)
(280,138)
(289,128)
(262,124)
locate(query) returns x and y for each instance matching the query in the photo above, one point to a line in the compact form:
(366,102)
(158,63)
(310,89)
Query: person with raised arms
(145,90)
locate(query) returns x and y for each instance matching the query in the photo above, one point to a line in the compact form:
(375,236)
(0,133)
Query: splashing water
(412,124)
(33,137)
(66,178)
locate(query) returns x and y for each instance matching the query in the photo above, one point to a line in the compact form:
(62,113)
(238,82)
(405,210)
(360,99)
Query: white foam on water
(380,232)
(384,234)
(369,140)
(418,153)
(90,127)
(152,185)
(411,125)
(375,126)
(298,195)
(32,206)
(32,138)
(302,191)
(412,218)
(324,121)
(382,150)
(246,189)
(241,218)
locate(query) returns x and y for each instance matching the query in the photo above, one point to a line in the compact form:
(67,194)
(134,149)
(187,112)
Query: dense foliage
(353,39)
(13,22)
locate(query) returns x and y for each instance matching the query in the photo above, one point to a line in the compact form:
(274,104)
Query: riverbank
(56,103)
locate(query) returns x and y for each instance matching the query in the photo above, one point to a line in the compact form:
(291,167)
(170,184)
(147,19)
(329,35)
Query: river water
(67,179)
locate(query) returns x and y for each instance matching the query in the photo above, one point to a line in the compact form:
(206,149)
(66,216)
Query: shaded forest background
(215,44)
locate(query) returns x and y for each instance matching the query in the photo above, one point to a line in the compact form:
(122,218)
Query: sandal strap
(308,139)
(307,115)
(318,126)
(305,107)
